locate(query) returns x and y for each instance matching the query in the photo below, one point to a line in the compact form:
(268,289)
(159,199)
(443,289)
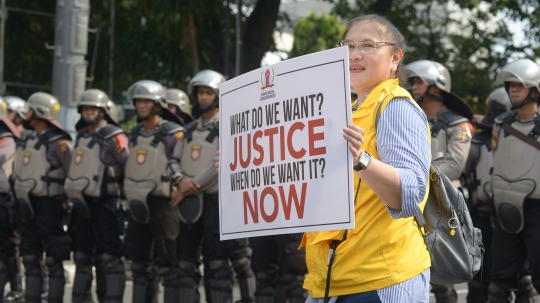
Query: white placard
(284,165)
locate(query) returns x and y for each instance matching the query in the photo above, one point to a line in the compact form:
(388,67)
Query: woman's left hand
(355,136)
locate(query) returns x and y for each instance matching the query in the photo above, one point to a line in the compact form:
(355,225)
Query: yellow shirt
(380,251)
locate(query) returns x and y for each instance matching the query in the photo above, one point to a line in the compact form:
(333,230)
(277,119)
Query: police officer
(16,109)
(178,104)
(477,177)
(93,185)
(515,183)
(8,134)
(40,172)
(197,184)
(152,218)
(451,131)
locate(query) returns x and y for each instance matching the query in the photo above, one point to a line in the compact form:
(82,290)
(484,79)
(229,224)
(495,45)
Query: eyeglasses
(365,46)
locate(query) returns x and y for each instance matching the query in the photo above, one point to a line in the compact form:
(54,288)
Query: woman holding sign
(384,258)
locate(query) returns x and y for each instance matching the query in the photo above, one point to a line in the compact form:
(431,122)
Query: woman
(384,258)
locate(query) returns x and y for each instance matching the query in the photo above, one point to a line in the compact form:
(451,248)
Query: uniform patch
(467,129)
(2,140)
(78,157)
(62,144)
(195,152)
(141,156)
(494,141)
(26,158)
(179,136)
(119,143)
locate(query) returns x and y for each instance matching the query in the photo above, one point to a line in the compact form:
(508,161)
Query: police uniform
(195,157)
(40,171)
(7,210)
(279,267)
(153,221)
(516,197)
(93,184)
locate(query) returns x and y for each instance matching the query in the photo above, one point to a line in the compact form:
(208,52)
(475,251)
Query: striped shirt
(403,142)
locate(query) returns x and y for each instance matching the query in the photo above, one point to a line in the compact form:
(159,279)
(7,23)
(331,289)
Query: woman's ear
(396,57)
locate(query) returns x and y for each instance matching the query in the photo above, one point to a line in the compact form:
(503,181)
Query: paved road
(70,268)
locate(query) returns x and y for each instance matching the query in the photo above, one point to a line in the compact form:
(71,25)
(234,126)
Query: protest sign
(284,164)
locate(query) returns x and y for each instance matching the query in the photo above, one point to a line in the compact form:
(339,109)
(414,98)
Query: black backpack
(454,244)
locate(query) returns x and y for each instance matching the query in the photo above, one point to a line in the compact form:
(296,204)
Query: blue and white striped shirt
(403,142)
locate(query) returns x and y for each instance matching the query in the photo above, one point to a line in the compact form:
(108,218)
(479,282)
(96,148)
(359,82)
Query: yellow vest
(380,251)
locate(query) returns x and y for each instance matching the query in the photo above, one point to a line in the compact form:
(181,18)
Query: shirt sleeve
(7,149)
(457,150)
(173,165)
(116,150)
(60,154)
(403,142)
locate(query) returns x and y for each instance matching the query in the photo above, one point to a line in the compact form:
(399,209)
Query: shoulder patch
(63,146)
(466,131)
(179,136)
(2,140)
(494,140)
(119,143)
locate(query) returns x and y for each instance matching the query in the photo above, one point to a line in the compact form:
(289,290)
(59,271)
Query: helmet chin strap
(428,93)
(152,112)
(96,120)
(521,103)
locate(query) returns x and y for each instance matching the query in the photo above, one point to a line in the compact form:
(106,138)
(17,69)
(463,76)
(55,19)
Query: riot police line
(160,178)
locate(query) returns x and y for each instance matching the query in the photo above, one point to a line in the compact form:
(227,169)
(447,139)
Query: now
(252,208)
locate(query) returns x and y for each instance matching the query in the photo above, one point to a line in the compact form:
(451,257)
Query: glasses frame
(357,46)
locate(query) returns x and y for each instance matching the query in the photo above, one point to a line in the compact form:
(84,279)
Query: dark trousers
(512,250)
(278,254)
(161,232)
(44,233)
(101,232)
(207,228)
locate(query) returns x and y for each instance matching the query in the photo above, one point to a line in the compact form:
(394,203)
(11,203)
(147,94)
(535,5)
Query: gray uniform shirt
(114,150)
(58,152)
(209,175)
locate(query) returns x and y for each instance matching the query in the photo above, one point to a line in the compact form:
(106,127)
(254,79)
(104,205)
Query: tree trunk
(383,7)
(258,30)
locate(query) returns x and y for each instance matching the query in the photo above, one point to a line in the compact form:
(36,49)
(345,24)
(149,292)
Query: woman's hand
(355,136)
(188,186)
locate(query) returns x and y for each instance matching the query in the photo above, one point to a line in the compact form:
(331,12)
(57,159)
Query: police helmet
(4,119)
(3,108)
(430,72)
(148,89)
(45,106)
(179,98)
(497,103)
(208,78)
(113,110)
(17,105)
(94,97)
(523,71)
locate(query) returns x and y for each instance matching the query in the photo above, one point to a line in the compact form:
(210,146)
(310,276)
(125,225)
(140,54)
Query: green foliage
(457,35)
(316,33)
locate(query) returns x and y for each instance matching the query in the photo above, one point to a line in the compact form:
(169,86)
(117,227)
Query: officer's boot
(444,293)
(139,282)
(497,294)
(3,277)
(83,275)
(33,279)
(115,278)
(13,267)
(246,279)
(220,281)
(265,288)
(289,286)
(101,279)
(57,280)
(188,285)
(526,292)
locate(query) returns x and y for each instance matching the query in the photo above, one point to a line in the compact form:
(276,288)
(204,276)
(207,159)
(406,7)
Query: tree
(467,36)
(316,33)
